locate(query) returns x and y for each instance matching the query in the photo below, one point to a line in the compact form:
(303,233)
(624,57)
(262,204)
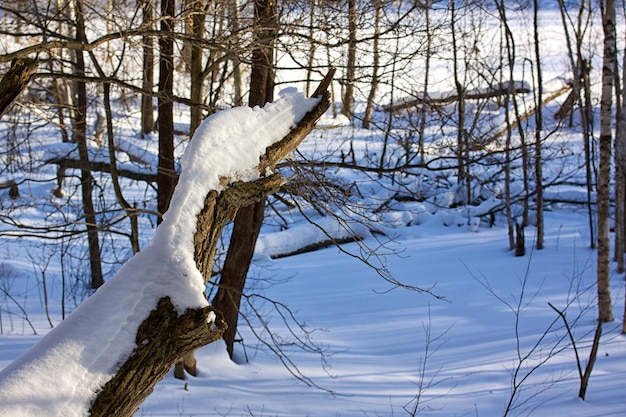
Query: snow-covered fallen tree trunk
(308,237)
(106,357)
(438,99)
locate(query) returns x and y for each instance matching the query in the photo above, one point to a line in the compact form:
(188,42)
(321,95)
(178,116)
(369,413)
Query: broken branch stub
(281,149)
(219,208)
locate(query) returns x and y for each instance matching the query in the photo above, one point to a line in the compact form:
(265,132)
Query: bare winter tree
(538,131)
(166,173)
(147,107)
(80,138)
(369,109)
(608,67)
(581,94)
(197,75)
(347,108)
(168,334)
(619,248)
(249,219)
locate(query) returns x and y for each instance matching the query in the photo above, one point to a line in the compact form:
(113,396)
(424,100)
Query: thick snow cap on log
(61,374)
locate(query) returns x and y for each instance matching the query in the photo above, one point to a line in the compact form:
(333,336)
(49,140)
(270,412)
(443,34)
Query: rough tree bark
(166,173)
(164,336)
(15,81)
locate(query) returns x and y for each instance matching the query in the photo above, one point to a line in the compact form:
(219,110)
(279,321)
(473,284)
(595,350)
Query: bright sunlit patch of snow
(60,375)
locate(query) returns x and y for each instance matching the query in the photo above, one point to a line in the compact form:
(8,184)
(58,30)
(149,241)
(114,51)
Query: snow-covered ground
(483,341)
(458,354)
(383,348)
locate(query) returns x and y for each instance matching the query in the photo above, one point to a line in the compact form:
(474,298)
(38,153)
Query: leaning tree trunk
(156,301)
(581,95)
(620,184)
(178,336)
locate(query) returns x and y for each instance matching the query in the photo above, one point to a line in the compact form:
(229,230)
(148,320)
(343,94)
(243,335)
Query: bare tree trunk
(166,174)
(520,244)
(62,89)
(312,45)
(131,211)
(147,109)
(187,21)
(198,17)
(369,109)
(624,319)
(80,137)
(581,87)
(538,129)
(608,65)
(424,108)
(237,76)
(510,55)
(348,95)
(590,170)
(460,90)
(622,178)
(246,230)
(619,160)
(507,147)
(249,219)
(507,179)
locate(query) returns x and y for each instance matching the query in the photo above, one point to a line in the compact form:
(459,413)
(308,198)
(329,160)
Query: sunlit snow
(59,375)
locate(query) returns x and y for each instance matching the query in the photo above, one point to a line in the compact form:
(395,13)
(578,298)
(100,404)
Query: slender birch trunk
(608,65)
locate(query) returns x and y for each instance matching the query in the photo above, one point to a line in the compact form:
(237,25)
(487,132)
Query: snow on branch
(106,357)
